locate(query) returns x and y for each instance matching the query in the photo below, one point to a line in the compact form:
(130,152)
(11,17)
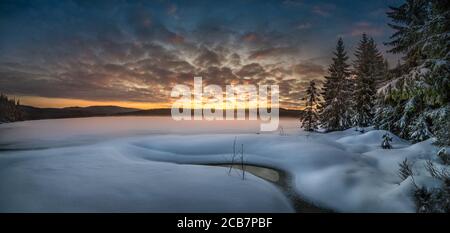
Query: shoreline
(282,180)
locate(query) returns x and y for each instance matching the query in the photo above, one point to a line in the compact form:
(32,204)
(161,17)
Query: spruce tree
(369,71)
(310,117)
(415,103)
(385,74)
(378,65)
(335,112)
(362,95)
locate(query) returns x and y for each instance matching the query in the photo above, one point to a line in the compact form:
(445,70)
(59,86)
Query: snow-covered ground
(131,164)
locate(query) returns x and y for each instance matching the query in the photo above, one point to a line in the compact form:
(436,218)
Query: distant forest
(10,110)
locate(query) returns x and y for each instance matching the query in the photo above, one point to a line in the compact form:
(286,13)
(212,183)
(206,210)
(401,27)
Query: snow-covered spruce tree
(379,65)
(434,199)
(335,112)
(415,103)
(369,70)
(442,133)
(310,117)
(384,76)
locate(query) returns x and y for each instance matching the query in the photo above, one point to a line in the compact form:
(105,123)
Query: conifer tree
(368,70)
(335,112)
(310,117)
(415,103)
(378,65)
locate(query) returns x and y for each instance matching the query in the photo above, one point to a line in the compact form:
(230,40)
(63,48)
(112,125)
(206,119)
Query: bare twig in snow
(405,169)
(242,161)
(234,155)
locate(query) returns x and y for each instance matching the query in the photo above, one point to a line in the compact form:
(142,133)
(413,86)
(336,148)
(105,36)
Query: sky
(132,53)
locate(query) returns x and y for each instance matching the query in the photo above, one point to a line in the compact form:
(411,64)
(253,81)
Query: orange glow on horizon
(45,102)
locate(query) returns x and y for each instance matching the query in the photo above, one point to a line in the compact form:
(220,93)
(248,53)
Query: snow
(101,179)
(135,164)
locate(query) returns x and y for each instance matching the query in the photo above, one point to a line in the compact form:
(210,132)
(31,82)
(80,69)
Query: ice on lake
(150,164)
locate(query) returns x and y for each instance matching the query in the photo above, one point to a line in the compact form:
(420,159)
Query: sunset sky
(131,53)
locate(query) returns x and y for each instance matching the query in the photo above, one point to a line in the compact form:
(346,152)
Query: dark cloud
(207,58)
(218,75)
(272,52)
(235,59)
(308,69)
(138,50)
(251,70)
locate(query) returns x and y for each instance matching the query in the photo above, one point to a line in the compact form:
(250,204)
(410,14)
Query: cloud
(324,10)
(146,27)
(251,70)
(176,39)
(235,59)
(308,70)
(221,76)
(207,58)
(138,50)
(303,26)
(250,37)
(271,52)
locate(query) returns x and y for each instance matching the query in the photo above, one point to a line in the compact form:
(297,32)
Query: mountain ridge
(36,113)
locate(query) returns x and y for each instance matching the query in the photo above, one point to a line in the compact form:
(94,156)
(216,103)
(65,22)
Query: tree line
(10,110)
(347,97)
(410,100)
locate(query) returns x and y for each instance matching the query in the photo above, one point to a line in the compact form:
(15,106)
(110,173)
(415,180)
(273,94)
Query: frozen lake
(76,131)
(91,165)
(151,164)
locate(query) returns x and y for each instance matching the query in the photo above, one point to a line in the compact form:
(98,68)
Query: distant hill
(148,112)
(34,113)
